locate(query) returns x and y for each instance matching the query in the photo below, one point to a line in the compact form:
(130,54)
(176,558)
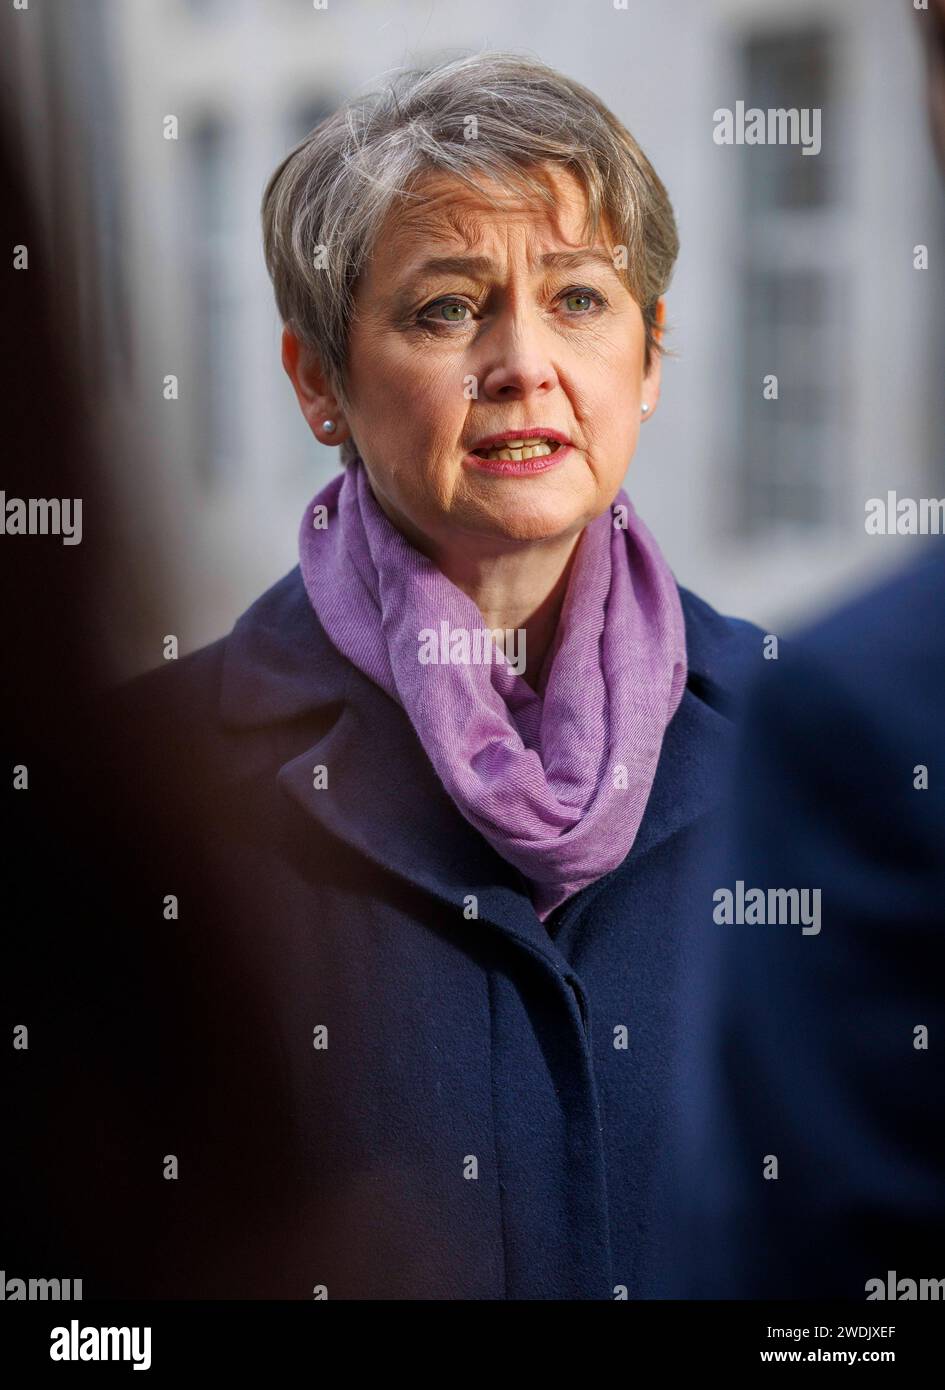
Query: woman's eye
(587,295)
(445,311)
(578,302)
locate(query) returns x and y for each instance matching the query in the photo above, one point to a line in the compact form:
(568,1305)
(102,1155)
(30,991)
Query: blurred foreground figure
(812,1157)
(817,1086)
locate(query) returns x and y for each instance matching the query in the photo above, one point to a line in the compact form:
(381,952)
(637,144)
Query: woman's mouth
(519,458)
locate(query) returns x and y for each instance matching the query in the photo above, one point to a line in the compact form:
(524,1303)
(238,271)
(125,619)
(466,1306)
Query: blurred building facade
(791,265)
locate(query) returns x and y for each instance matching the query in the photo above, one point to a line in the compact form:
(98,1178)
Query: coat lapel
(383,796)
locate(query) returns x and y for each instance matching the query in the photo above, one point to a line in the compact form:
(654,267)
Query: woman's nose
(519,365)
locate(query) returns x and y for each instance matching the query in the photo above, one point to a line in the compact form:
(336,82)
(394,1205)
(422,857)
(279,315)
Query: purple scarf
(557,782)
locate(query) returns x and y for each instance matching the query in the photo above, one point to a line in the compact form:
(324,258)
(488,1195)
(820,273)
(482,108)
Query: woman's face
(507,336)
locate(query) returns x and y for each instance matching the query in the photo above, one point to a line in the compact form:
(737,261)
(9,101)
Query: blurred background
(790,264)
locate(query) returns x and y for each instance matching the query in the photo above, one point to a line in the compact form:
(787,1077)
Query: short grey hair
(493,114)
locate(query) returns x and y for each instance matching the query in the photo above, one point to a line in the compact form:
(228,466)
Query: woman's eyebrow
(475,265)
(479,265)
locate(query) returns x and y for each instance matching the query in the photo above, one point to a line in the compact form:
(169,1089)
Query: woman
(446,774)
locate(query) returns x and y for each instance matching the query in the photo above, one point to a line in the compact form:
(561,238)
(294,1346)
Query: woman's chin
(529,518)
(542,506)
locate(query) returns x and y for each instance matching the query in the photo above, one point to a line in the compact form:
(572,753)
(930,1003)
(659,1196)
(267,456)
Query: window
(790,455)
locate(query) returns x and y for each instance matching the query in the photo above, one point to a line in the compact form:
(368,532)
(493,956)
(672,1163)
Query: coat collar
(279,666)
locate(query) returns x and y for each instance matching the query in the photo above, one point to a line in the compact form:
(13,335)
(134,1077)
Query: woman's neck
(515,585)
(521,589)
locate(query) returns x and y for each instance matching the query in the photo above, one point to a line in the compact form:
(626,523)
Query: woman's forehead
(446,211)
(436,188)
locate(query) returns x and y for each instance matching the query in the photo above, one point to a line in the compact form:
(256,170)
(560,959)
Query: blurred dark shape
(97,977)
(824,1050)
(804,1046)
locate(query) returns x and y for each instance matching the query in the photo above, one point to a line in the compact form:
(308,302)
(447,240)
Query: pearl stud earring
(644,407)
(328,426)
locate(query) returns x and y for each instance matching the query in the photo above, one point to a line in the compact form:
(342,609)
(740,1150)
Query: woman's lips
(517,468)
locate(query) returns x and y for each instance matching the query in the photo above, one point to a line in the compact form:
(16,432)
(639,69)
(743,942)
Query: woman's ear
(316,399)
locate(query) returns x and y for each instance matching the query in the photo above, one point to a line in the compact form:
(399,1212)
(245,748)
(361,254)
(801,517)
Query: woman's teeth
(517,449)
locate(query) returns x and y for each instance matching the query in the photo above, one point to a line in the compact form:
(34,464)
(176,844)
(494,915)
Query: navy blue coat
(475,1127)
(805,1047)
